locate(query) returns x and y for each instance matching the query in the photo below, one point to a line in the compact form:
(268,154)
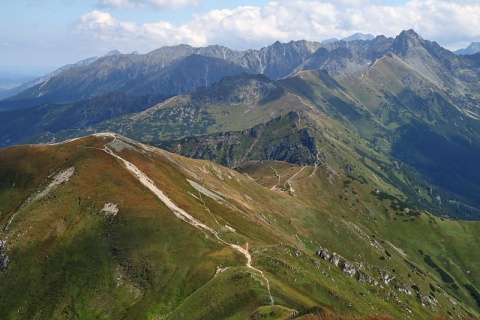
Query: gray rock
(3,261)
(405,290)
(335,260)
(429,301)
(324,254)
(3,256)
(386,278)
(348,268)
(364,278)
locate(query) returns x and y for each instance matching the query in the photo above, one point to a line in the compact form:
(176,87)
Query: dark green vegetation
(474,293)
(66,251)
(20,124)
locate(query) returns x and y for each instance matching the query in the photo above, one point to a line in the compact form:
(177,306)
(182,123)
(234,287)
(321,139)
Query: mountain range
(406,98)
(328,180)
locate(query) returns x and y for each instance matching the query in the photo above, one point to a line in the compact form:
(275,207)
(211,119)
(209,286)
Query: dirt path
(279,178)
(185,216)
(290,179)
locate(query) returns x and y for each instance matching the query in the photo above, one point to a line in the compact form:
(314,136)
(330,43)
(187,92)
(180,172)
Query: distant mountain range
(181,69)
(473,48)
(26,85)
(29,84)
(163,71)
(353,37)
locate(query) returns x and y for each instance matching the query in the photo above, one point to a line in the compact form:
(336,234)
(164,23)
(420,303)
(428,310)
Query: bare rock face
(364,278)
(231,149)
(3,261)
(473,48)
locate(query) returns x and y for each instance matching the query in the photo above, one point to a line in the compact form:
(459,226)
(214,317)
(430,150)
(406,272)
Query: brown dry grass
(329,316)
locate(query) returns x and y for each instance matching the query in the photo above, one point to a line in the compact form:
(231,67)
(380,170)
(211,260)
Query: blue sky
(42,35)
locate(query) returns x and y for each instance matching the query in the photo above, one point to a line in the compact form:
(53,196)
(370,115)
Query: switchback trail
(183,215)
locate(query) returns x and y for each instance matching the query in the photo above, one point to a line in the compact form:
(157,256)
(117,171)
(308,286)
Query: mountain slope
(28,84)
(433,130)
(167,71)
(392,121)
(18,125)
(105,227)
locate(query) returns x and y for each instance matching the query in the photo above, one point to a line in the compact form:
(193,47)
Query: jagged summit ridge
(406,41)
(181,69)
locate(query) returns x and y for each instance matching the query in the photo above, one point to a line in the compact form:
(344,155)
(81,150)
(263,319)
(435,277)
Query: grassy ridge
(70,259)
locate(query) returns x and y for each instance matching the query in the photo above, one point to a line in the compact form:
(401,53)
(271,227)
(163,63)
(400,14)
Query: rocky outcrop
(386,277)
(348,268)
(280,139)
(427,301)
(3,256)
(324,254)
(357,271)
(405,290)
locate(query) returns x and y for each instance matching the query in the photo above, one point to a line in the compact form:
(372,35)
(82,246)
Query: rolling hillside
(105,227)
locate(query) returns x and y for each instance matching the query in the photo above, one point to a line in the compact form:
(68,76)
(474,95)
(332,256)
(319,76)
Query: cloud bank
(256,26)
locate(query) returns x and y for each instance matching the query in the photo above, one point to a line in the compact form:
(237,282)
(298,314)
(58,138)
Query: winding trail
(290,179)
(183,215)
(278,175)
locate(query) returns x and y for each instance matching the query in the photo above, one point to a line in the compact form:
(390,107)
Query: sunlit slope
(104,227)
(409,119)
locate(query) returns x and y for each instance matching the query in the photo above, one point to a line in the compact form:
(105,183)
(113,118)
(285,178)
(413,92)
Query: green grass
(68,260)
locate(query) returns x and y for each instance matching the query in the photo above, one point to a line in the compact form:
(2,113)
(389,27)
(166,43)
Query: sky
(39,36)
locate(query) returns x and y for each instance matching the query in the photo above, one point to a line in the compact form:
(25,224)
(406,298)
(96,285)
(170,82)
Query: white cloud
(128,36)
(156,4)
(447,22)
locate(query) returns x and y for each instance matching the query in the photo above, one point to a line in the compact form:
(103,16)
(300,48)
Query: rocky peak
(406,41)
(427,57)
(280,59)
(243,88)
(113,53)
(221,52)
(292,48)
(473,48)
(166,55)
(359,36)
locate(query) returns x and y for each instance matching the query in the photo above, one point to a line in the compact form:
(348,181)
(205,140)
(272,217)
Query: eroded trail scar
(185,216)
